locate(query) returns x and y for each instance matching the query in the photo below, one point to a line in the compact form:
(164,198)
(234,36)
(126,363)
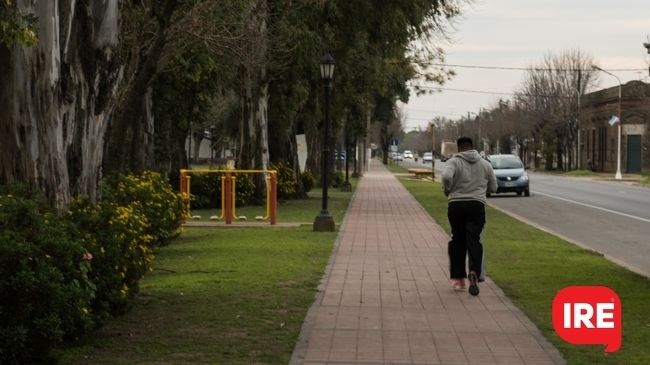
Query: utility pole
(579,90)
(647,47)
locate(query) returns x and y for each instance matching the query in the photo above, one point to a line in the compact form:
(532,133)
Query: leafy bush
(61,275)
(46,290)
(287,180)
(308,181)
(205,189)
(122,252)
(245,188)
(337,179)
(160,205)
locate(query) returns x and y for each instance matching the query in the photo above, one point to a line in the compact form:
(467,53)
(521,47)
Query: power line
(406,108)
(489,92)
(432,118)
(420,111)
(470,91)
(505,68)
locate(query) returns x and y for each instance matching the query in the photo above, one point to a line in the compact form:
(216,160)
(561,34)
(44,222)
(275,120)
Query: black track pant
(467,219)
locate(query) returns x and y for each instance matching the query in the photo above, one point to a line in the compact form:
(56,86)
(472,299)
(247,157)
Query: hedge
(63,274)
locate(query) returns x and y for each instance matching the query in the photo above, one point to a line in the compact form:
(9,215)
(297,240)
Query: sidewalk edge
(299,351)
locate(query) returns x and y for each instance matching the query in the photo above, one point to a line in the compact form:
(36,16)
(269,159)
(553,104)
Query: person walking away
(466,179)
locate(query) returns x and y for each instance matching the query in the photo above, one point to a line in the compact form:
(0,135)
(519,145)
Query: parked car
(407,154)
(427,157)
(511,174)
(397,157)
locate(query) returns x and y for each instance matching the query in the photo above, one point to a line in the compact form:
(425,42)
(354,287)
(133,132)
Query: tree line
(90,89)
(541,120)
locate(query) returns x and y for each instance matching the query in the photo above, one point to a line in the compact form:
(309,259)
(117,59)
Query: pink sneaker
(458,284)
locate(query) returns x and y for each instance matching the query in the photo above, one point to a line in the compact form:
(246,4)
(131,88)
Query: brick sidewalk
(386,298)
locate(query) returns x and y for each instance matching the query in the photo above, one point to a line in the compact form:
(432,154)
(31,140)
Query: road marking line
(594,207)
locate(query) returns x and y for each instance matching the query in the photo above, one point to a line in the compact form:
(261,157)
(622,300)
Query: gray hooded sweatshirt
(467,176)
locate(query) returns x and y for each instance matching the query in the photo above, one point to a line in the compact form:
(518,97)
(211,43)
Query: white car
(407,154)
(427,157)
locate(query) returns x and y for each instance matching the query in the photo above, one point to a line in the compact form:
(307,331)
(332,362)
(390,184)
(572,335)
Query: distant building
(599,139)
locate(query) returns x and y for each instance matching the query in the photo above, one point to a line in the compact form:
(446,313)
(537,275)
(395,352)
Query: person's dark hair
(464,143)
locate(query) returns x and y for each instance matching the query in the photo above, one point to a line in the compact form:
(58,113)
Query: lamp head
(327,67)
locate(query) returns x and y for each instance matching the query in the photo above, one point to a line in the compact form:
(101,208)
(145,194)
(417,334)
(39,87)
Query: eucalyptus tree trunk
(130,139)
(254,152)
(314,143)
(56,98)
(197,138)
(254,94)
(285,148)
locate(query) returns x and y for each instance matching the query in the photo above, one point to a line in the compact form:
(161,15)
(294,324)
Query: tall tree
(57,96)
(548,96)
(155,32)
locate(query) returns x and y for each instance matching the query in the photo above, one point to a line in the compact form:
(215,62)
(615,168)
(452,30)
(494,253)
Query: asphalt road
(612,218)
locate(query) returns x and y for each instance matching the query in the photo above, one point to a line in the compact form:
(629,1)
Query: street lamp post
(647,46)
(324,221)
(618,175)
(479,141)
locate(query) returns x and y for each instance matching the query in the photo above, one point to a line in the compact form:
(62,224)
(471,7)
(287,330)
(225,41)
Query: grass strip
(395,168)
(217,296)
(645,178)
(531,266)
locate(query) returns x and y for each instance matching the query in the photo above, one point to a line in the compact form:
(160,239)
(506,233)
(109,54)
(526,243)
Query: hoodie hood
(471,156)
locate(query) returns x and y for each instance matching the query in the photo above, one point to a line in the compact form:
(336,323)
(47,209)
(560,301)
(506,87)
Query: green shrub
(44,281)
(287,180)
(205,190)
(245,189)
(337,179)
(119,240)
(61,275)
(160,205)
(308,181)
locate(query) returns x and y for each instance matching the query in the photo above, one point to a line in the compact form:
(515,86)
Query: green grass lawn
(645,178)
(217,296)
(395,168)
(221,296)
(297,210)
(531,266)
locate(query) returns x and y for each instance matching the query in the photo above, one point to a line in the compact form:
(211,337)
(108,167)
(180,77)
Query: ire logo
(588,315)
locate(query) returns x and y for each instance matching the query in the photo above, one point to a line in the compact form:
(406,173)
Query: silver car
(511,174)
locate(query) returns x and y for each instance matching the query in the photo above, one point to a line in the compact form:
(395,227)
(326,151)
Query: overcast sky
(516,33)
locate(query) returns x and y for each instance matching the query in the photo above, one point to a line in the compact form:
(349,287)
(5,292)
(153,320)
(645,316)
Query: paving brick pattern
(386,298)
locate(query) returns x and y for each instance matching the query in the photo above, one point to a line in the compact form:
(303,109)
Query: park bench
(421,173)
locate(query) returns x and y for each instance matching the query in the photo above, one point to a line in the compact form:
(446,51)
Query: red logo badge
(588,315)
